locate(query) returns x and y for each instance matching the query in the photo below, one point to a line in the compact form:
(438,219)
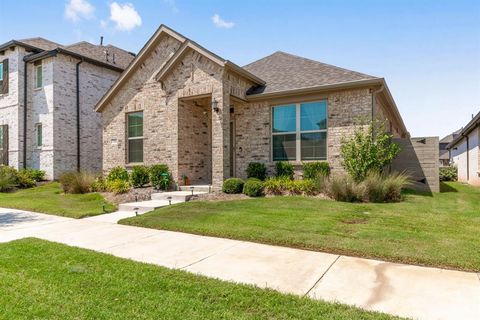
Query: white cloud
(77,9)
(125,16)
(172,4)
(220,23)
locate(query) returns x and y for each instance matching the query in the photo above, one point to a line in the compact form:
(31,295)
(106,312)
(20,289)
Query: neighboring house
(465,152)
(47,96)
(444,158)
(207,118)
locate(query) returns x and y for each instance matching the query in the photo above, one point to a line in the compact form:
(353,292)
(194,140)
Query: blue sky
(428,51)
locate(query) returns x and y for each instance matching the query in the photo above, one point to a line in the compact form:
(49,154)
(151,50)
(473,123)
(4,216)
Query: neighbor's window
(299,131)
(1,71)
(1,137)
(39,134)
(135,137)
(38,76)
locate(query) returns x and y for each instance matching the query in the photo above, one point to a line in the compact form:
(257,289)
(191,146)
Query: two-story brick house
(207,118)
(47,96)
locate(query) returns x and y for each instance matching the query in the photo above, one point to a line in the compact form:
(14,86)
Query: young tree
(369,149)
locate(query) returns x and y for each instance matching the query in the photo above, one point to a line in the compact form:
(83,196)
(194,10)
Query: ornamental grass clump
(77,182)
(343,187)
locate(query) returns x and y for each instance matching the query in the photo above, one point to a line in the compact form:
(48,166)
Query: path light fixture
(169,200)
(215,105)
(136,211)
(191,189)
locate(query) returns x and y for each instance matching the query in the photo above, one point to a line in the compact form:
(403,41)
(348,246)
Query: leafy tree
(369,149)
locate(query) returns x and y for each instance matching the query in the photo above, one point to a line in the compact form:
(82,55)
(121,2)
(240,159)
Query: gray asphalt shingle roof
(283,71)
(40,43)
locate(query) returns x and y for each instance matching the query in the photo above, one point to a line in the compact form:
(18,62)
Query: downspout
(468,157)
(25,83)
(77,69)
(374,93)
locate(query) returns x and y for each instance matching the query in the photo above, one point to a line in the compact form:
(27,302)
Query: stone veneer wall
(194,141)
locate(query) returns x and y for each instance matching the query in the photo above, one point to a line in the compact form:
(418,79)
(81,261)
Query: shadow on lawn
(447,188)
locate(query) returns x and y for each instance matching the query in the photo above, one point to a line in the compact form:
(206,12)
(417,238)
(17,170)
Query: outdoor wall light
(215,105)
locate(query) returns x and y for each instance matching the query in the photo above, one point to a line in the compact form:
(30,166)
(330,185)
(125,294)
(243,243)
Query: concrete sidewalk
(404,290)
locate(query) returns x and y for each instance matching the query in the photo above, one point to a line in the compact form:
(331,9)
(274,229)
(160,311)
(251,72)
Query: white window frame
(35,76)
(298,132)
(38,134)
(1,71)
(127,147)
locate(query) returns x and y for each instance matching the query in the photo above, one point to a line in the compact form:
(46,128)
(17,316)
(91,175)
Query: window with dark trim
(299,131)
(135,137)
(1,71)
(38,76)
(39,134)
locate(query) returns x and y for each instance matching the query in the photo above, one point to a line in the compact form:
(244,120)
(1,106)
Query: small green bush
(25,179)
(343,188)
(8,178)
(76,182)
(233,185)
(160,176)
(284,169)
(139,176)
(99,185)
(118,173)
(257,170)
(253,188)
(33,174)
(311,170)
(118,186)
(448,174)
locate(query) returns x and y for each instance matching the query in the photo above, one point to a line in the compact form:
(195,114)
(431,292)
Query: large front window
(135,137)
(299,131)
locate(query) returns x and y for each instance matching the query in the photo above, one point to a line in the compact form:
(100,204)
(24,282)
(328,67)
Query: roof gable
(283,72)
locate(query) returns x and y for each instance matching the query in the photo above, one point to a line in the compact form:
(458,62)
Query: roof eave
(12,43)
(475,122)
(244,73)
(395,108)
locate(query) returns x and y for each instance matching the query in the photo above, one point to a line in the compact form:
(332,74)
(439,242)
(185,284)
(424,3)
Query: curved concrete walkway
(404,290)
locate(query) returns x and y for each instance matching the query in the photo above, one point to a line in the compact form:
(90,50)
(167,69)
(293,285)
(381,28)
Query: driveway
(404,290)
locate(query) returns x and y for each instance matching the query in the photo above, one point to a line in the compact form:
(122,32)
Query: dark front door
(4,144)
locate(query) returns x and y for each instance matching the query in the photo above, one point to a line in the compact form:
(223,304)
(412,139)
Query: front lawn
(441,230)
(45,280)
(49,198)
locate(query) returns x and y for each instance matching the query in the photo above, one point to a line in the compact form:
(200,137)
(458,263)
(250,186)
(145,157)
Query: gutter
(77,76)
(25,86)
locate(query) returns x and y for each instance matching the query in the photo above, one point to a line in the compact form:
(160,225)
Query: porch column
(220,138)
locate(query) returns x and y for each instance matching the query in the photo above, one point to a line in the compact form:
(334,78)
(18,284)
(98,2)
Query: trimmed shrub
(284,169)
(253,188)
(311,170)
(76,182)
(25,179)
(448,174)
(33,174)
(118,186)
(384,187)
(233,185)
(139,176)
(118,173)
(343,188)
(8,178)
(99,185)
(276,185)
(160,176)
(257,170)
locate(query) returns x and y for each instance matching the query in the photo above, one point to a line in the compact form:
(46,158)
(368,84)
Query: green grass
(45,280)
(441,230)
(49,198)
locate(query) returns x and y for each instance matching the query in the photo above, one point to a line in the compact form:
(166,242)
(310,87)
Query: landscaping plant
(25,180)
(369,149)
(160,176)
(448,174)
(311,170)
(118,173)
(342,187)
(253,188)
(139,176)
(33,174)
(118,186)
(233,185)
(77,182)
(8,178)
(379,187)
(284,169)
(257,170)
